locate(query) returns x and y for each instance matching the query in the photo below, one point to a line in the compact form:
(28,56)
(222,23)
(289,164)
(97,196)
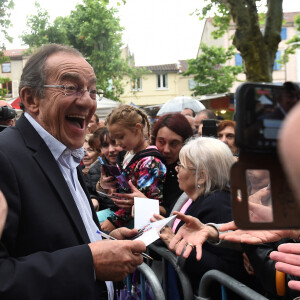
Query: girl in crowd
(169,134)
(142,164)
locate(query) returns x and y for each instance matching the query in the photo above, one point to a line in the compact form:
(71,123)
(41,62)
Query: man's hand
(114,260)
(3,212)
(107,226)
(123,233)
(288,261)
(193,232)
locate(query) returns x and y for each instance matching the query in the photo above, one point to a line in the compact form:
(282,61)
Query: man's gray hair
(34,74)
(211,157)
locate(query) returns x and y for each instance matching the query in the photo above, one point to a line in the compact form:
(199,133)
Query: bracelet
(217,229)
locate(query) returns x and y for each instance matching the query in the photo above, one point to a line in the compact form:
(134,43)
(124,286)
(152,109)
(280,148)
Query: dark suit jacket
(43,250)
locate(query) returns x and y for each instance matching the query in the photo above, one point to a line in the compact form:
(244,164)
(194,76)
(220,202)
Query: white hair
(210,157)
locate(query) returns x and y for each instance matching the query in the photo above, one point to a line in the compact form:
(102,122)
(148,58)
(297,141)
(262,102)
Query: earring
(198,186)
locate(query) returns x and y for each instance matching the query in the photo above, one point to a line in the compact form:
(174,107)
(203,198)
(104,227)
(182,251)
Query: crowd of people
(58,193)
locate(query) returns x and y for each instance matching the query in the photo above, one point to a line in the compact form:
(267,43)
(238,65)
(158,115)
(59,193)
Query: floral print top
(148,175)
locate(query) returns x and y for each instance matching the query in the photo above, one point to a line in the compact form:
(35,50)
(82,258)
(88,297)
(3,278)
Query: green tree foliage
(5,23)
(94,30)
(257,47)
(210,72)
(293,43)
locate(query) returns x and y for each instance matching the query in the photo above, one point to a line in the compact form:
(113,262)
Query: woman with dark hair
(168,135)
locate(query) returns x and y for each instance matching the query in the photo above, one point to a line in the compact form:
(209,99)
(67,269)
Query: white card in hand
(144,209)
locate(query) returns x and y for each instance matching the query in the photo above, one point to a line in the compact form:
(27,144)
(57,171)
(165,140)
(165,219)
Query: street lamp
(288,46)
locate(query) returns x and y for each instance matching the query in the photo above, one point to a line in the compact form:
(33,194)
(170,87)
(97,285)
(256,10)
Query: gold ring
(192,245)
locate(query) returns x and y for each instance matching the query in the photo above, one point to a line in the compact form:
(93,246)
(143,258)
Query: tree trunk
(258,49)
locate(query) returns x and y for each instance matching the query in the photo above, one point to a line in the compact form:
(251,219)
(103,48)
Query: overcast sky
(157,31)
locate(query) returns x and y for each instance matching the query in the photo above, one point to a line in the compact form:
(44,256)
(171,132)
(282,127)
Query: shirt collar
(55,146)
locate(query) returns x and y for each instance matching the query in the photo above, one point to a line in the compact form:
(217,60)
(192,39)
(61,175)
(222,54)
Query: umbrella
(177,104)
(16,103)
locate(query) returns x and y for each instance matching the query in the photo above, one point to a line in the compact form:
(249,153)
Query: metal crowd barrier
(168,256)
(237,287)
(153,281)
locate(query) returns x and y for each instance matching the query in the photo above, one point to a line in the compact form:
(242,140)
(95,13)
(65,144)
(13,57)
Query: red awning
(16,103)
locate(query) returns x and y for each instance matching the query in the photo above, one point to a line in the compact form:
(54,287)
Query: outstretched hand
(193,232)
(253,237)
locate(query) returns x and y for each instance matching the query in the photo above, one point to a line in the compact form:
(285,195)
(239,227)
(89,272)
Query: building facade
(13,69)
(160,84)
(281,73)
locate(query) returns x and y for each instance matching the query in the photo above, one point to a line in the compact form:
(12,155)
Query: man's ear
(30,101)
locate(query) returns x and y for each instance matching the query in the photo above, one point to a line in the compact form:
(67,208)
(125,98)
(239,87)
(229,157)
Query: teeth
(77,116)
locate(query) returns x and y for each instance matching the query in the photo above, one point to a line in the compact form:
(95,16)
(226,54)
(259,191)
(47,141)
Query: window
(6,67)
(192,84)
(136,85)
(238,59)
(8,87)
(277,66)
(162,82)
(283,33)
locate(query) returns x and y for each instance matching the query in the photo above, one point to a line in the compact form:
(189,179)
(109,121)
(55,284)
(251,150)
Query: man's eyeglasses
(71,90)
(179,166)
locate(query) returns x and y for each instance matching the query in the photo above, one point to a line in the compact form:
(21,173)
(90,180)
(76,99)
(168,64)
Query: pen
(101,161)
(109,237)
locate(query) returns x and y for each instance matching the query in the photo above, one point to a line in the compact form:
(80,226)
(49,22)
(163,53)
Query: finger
(287,268)
(228,226)
(137,246)
(122,195)
(187,251)
(133,188)
(180,247)
(290,248)
(199,252)
(123,232)
(294,285)
(181,216)
(175,240)
(158,217)
(137,260)
(288,258)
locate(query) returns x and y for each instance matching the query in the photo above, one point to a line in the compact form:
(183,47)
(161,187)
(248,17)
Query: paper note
(150,232)
(144,209)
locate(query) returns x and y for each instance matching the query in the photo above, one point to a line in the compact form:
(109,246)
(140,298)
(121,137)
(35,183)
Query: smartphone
(114,171)
(102,194)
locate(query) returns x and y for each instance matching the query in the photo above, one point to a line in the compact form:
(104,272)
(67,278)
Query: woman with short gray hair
(203,174)
(211,159)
